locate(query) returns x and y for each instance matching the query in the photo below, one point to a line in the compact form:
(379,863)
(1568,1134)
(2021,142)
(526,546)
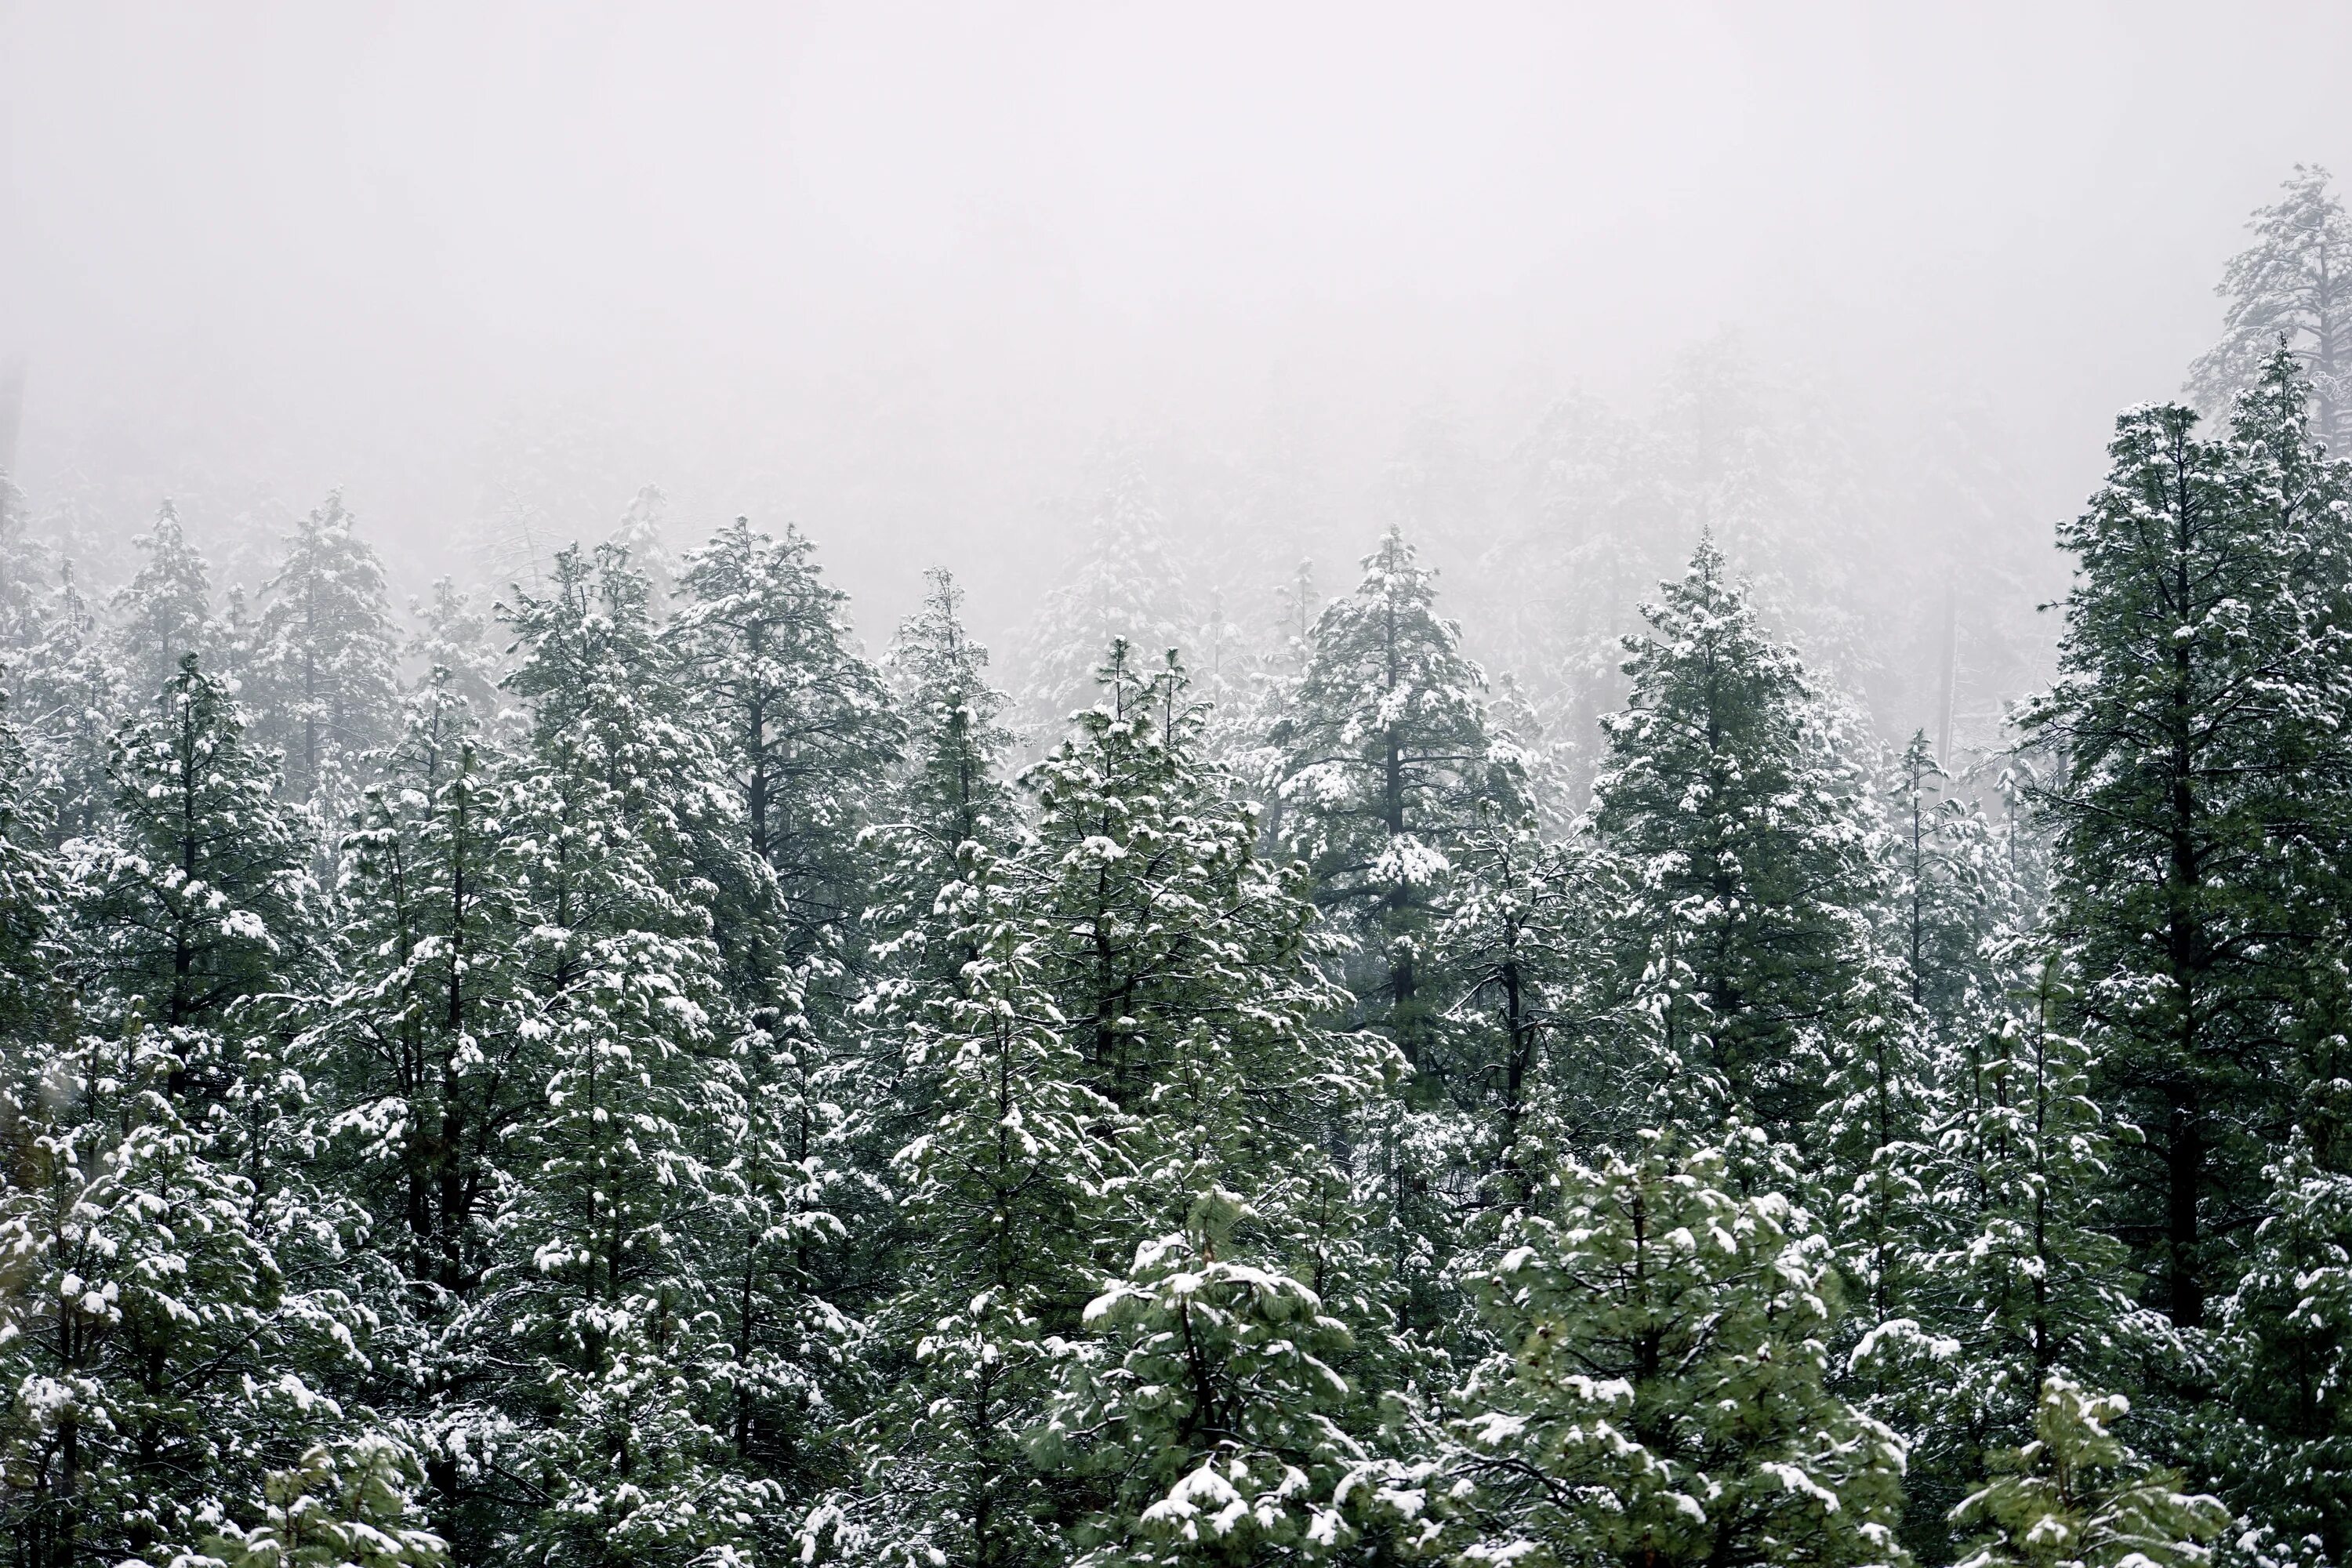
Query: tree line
(617,1076)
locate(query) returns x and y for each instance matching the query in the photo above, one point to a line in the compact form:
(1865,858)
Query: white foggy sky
(891,266)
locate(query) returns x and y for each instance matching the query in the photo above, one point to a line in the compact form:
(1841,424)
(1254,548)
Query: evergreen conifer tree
(2291,286)
(1744,951)
(324,679)
(1213,1417)
(2195,703)
(1659,1390)
(1128,586)
(2279,1444)
(165,610)
(2076,1497)
(1387,762)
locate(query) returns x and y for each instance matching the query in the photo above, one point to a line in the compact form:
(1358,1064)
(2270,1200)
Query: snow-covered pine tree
(2196,709)
(177,1283)
(951,789)
(1948,893)
(950,792)
(803,733)
(197,896)
(2278,1446)
(620,1362)
(2019,1280)
(2291,286)
(1659,1393)
(644,532)
(165,610)
(426,1053)
(1184,961)
(1744,954)
(67,696)
(2077,1497)
(158,1356)
(803,736)
(1212,1416)
(1387,762)
(33,1006)
(1005,1186)
(453,635)
(324,682)
(1513,944)
(344,1505)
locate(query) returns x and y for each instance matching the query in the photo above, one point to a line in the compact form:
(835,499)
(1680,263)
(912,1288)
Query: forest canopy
(606,1069)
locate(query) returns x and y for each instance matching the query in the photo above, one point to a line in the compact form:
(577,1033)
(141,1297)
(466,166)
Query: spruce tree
(950,788)
(183,1287)
(1947,894)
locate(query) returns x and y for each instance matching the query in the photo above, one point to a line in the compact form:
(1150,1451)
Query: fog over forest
(914,279)
(1095,786)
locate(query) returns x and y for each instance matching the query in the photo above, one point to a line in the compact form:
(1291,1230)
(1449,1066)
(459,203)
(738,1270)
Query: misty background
(1859,288)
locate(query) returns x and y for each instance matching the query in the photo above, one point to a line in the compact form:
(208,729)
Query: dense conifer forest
(607,1069)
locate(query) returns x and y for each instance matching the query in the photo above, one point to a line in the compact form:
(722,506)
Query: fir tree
(454,636)
(1948,893)
(643,533)
(427,1053)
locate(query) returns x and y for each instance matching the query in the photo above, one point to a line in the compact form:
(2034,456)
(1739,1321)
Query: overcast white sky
(336,242)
